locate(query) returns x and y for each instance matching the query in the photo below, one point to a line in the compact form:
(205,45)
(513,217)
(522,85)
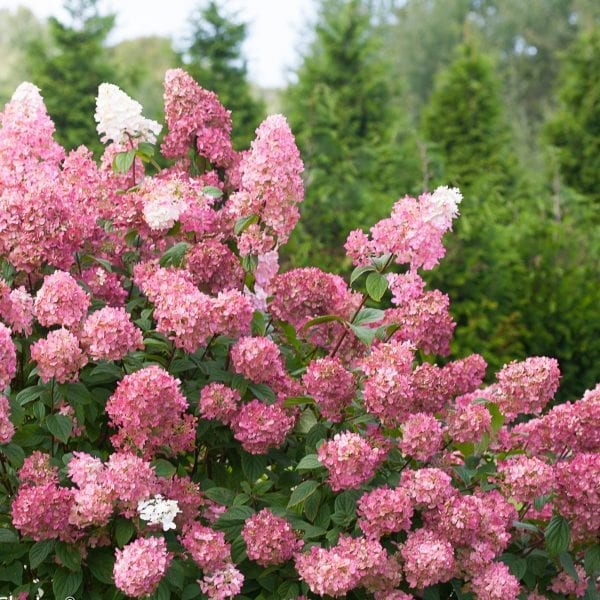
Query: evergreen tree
(575,129)
(353,136)
(69,69)
(214,60)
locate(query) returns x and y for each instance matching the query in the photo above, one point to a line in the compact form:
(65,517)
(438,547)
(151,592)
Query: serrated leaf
(368,315)
(30,393)
(566,560)
(212,191)
(220,495)
(60,426)
(124,530)
(123,160)
(516,564)
(319,320)
(557,535)
(297,400)
(311,506)
(249,263)
(253,466)
(190,591)
(146,149)
(309,462)
(302,492)
(365,334)
(243,223)
(69,556)
(591,560)
(163,468)
(39,552)
(235,513)
(174,255)
(100,563)
(65,583)
(14,453)
(376,284)
(360,271)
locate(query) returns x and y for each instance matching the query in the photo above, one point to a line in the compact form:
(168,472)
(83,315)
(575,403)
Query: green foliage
(70,67)
(352,134)
(214,59)
(575,129)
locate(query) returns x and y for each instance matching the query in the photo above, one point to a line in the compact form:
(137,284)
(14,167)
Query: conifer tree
(575,129)
(351,130)
(69,69)
(214,59)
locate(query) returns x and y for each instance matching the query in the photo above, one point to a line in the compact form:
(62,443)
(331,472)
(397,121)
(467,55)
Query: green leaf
(381,261)
(235,513)
(253,466)
(190,591)
(30,393)
(497,416)
(176,574)
(377,284)
(39,552)
(163,468)
(60,426)
(365,334)
(14,453)
(65,583)
(309,462)
(591,560)
(146,149)
(75,392)
(69,556)
(302,492)
(220,495)
(249,263)
(296,400)
(262,392)
(123,160)
(238,550)
(516,564)
(557,535)
(360,271)
(566,560)
(243,223)
(162,592)
(311,506)
(319,320)
(212,191)
(174,255)
(368,315)
(101,562)
(124,531)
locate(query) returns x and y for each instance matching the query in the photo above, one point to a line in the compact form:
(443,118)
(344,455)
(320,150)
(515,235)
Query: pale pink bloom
(7,429)
(222,583)
(495,582)
(58,356)
(61,301)
(8,356)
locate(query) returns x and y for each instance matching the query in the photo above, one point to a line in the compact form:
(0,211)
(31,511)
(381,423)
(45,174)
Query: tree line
(394,97)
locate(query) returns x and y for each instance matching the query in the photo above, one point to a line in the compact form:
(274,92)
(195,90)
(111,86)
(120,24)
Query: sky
(276,28)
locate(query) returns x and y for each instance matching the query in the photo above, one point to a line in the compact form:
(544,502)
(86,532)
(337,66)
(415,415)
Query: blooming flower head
(217,401)
(58,356)
(109,334)
(495,582)
(383,511)
(119,117)
(8,356)
(159,510)
(7,429)
(350,459)
(222,583)
(140,566)
(60,301)
(206,546)
(270,540)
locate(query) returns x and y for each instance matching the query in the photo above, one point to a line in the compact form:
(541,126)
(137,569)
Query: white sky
(275,27)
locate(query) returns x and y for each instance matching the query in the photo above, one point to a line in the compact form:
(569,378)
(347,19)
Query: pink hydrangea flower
(468,422)
(563,583)
(140,566)
(7,429)
(148,411)
(36,470)
(260,427)
(383,511)
(195,117)
(495,582)
(524,478)
(109,334)
(233,313)
(206,546)
(428,559)
(8,356)
(222,583)
(427,488)
(258,359)
(270,540)
(214,267)
(217,401)
(16,308)
(331,385)
(61,301)
(58,356)
(105,285)
(422,436)
(350,460)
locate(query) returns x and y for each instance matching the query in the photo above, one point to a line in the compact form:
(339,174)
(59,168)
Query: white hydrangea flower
(119,116)
(442,206)
(27,93)
(161,212)
(159,510)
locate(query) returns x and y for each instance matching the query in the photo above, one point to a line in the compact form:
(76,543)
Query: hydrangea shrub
(180,419)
